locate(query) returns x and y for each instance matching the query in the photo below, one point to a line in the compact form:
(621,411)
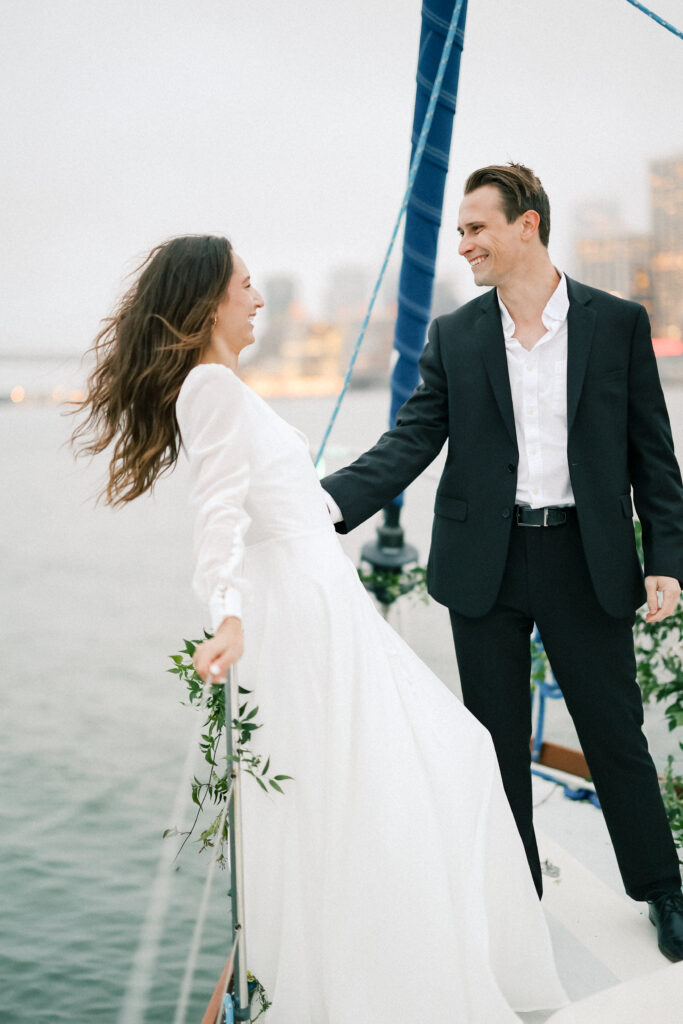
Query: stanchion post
(240,983)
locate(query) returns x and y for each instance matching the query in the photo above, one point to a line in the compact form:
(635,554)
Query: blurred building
(346,303)
(373,364)
(293,354)
(280,293)
(292,349)
(347,294)
(599,218)
(645,268)
(619,264)
(285,319)
(666,193)
(314,352)
(347,297)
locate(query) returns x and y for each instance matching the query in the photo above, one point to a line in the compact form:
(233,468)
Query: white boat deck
(602,938)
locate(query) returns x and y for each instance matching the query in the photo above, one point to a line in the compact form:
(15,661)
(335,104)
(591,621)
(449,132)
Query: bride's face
(234,328)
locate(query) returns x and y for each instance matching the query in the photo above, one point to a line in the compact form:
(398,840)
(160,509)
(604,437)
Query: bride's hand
(213,658)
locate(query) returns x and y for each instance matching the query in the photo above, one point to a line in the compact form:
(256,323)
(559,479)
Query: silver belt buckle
(545,516)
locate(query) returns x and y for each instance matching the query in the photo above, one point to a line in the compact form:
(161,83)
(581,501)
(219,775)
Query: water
(93,732)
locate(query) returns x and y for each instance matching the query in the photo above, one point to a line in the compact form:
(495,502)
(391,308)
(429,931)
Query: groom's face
(491,245)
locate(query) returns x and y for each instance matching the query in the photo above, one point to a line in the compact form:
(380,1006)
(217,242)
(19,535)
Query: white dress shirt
(538,381)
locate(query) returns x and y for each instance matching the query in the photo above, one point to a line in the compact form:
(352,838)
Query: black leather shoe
(666,914)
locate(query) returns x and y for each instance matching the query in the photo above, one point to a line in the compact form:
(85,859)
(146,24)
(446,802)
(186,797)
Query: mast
(423,221)
(423,216)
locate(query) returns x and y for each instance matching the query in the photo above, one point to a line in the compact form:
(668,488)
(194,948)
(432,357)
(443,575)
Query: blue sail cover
(423,215)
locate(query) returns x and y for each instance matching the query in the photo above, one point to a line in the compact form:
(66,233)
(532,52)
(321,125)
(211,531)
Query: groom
(548,395)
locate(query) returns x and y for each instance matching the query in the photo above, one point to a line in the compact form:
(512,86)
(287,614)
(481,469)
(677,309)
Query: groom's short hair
(520,190)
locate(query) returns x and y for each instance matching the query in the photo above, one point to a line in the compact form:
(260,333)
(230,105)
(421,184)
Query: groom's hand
(670,590)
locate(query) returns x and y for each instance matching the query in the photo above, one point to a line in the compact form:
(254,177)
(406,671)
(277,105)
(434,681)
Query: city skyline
(288,127)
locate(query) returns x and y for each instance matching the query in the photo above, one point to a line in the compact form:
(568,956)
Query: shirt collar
(555,311)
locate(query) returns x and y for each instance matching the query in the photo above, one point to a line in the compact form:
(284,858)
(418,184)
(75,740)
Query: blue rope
(656,17)
(572,793)
(411,180)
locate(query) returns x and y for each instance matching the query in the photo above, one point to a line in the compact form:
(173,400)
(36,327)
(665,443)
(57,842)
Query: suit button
(511,467)
(505,513)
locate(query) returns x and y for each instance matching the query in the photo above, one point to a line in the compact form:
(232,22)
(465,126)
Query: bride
(389,885)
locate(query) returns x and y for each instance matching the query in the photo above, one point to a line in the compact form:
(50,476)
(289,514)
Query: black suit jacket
(619,440)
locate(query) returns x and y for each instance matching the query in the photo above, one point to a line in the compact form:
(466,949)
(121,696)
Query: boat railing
(234,1005)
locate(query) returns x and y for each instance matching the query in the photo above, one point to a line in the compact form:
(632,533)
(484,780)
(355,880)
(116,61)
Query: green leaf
(217,786)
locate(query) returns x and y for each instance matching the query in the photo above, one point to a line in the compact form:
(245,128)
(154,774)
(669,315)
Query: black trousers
(591,653)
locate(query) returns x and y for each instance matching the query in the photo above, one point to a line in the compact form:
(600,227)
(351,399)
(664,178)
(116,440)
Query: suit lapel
(580,330)
(492,347)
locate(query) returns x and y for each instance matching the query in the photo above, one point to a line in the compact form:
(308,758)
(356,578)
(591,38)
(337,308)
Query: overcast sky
(286,125)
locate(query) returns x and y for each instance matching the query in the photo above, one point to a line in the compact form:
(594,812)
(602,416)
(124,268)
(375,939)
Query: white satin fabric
(389,884)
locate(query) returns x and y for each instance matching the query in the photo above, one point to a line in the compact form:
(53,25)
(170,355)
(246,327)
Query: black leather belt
(550,516)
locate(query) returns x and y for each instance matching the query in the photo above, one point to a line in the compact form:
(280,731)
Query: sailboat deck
(601,937)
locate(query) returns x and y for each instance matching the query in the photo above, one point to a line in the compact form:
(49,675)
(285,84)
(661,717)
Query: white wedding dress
(389,884)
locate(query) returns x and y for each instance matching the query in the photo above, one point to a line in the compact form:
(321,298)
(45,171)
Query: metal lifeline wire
(414,167)
(657,18)
(137,995)
(193,956)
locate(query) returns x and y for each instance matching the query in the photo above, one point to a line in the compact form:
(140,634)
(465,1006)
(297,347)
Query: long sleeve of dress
(211,418)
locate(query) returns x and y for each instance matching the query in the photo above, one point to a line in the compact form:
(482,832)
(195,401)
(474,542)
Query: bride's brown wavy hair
(143,353)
